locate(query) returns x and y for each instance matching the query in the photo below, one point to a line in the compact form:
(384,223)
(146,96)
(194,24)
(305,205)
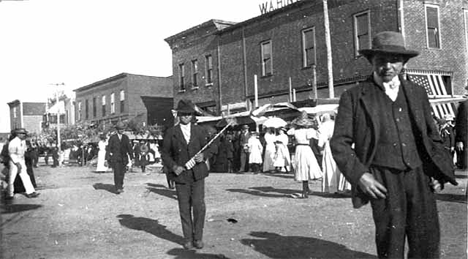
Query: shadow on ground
(460,198)
(13,208)
(161,190)
(277,246)
(266,191)
(150,226)
(180,253)
(104,186)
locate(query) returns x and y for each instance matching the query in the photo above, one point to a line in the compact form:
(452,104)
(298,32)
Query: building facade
(28,115)
(282,55)
(125,97)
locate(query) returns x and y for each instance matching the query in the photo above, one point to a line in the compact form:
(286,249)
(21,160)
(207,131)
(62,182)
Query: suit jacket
(118,150)
(356,137)
(461,123)
(176,152)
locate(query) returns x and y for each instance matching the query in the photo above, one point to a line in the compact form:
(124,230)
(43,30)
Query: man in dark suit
(243,148)
(181,143)
(460,134)
(118,151)
(387,146)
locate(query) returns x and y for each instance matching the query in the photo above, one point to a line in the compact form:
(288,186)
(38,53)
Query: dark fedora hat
(120,125)
(185,106)
(20,131)
(388,42)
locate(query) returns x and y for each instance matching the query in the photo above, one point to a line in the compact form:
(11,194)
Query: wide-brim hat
(388,42)
(303,120)
(120,125)
(20,131)
(185,106)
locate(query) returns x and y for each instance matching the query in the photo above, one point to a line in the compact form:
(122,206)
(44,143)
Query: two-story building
(28,115)
(148,99)
(282,54)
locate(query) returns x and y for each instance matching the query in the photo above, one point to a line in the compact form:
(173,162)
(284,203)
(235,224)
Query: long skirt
(333,179)
(305,164)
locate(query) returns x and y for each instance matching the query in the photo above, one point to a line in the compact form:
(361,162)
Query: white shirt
(16,149)
(186,131)
(391,88)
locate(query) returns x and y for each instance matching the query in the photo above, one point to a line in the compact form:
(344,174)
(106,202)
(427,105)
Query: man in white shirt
(16,149)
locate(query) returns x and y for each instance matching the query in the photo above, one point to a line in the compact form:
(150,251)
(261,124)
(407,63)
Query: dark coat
(461,129)
(176,152)
(118,151)
(357,124)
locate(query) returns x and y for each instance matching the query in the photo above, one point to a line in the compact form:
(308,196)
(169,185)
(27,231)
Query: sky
(78,42)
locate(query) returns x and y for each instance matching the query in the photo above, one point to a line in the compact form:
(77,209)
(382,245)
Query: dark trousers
(408,211)
(244,161)
(192,209)
(119,174)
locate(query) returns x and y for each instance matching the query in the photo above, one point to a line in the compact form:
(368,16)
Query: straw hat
(303,120)
(20,131)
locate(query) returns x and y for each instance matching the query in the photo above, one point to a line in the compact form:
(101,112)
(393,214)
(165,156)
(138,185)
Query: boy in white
(16,149)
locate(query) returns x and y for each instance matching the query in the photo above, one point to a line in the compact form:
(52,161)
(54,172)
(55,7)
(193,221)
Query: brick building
(27,115)
(283,53)
(126,96)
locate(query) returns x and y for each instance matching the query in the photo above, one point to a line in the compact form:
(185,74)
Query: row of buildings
(306,50)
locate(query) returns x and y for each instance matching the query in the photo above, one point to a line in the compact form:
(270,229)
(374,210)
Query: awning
(321,109)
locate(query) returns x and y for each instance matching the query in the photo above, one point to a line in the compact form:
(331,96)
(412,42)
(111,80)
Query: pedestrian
(304,163)
(118,152)
(386,144)
(144,158)
(255,152)
(16,150)
(55,155)
(188,169)
(282,159)
(447,134)
(270,150)
(460,134)
(101,161)
(333,180)
(244,136)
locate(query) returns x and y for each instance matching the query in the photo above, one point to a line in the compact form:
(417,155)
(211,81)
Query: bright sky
(79,42)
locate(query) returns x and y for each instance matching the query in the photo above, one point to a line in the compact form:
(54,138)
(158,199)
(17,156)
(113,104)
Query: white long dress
(255,150)
(304,163)
(282,156)
(270,150)
(101,167)
(333,180)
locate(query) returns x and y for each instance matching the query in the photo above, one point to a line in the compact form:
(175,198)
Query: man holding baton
(187,168)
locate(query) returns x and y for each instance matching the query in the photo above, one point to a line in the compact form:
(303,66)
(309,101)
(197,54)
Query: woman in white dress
(101,163)
(282,156)
(304,163)
(255,152)
(333,181)
(270,150)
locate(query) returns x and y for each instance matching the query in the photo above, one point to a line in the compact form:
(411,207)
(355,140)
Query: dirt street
(249,216)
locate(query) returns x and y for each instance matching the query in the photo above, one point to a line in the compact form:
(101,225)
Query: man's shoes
(198,244)
(9,198)
(32,195)
(119,191)
(188,245)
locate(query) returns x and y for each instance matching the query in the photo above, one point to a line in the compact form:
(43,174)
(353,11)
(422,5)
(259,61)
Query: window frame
(122,101)
(356,33)
(209,70)
(112,103)
(182,86)
(103,105)
(438,37)
(304,50)
(79,110)
(195,72)
(264,61)
(465,16)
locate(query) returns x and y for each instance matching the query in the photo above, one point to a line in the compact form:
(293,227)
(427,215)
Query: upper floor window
(112,103)
(209,69)
(86,109)
(308,47)
(14,112)
(466,29)
(122,101)
(267,58)
(362,35)
(94,107)
(195,73)
(79,111)
(181,77)
(103,104)
(432,23)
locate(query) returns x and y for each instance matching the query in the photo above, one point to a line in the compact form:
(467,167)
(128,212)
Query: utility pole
(331,91)
(58,115)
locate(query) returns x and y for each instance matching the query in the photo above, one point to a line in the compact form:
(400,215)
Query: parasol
(274,122)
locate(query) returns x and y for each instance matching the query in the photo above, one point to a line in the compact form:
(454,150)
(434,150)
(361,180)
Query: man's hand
(459,146)
(18,165)
(178,170)
(199,158)
(436,185)
(370,186)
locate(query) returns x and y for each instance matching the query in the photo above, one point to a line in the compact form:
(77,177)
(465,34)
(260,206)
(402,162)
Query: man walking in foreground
(386,144)
(180,144)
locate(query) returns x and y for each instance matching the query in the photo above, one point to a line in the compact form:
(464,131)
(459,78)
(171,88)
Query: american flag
(435,87)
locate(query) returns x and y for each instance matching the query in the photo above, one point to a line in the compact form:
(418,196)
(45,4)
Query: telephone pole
(57,102)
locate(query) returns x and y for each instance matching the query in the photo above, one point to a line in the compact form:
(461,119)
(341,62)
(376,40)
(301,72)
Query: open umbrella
(274,122)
